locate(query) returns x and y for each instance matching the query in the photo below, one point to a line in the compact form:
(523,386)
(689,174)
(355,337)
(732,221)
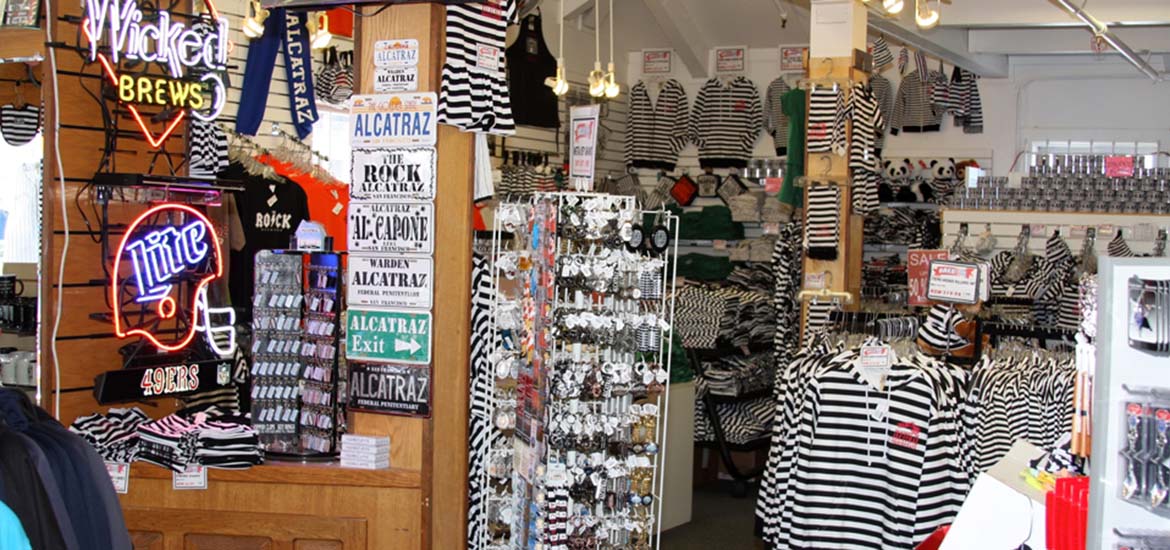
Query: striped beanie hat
(939,329)
(882,56)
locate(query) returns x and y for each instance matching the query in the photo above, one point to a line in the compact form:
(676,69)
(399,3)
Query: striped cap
(1118,248)
(882,56)
(939,329)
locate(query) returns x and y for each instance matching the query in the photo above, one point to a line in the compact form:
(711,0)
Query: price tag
(1078,231)
(719,244)
(1103,230)
(954,282)
(814,281)
(120,476)
(876,357)
(1038,229)
(195,478)
(771,229)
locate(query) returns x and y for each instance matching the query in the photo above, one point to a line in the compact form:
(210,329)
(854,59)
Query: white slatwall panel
(1006,228)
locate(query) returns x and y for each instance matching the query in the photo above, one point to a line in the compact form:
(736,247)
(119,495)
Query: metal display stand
(1125,376)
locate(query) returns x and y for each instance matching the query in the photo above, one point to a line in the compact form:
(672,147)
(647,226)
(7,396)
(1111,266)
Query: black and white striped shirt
(20,124)
(473,95)
(775,121)
(822,227)
(657,126)
(725,122)
(884,92)
(826,121)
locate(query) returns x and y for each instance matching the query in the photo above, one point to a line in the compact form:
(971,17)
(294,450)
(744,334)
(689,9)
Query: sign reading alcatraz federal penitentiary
(393,174)
(390,281)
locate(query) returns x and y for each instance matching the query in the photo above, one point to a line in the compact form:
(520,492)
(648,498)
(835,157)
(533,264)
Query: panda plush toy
(941,177)
(900,183)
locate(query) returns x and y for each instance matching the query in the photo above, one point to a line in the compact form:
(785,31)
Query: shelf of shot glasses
(295,353)
(1082,188)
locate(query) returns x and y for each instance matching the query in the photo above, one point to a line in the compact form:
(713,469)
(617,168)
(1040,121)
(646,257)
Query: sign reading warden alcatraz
(393,174)
(392,227)
(392,282)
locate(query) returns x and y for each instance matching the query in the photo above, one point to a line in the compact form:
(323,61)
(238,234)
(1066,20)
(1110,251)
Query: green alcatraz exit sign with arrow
(388,336)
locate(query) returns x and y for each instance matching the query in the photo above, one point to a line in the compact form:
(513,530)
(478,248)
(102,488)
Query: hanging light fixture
(319,35)
(925,16)
(893,7)
(253,25)
(596,77)
(559,85)
(612,89)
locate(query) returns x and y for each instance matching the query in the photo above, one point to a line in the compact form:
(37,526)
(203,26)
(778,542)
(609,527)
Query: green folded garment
(713,222)
(680,364)
(701,267)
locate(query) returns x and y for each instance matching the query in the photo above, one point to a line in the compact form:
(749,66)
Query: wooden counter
(276,507)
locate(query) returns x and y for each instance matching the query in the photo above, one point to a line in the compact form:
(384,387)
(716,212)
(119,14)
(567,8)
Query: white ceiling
(1015,13)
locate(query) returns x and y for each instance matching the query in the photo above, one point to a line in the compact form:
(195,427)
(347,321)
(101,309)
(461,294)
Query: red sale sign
(918,273)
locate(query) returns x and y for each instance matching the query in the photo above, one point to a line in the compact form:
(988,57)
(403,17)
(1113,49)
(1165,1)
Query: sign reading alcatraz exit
(388,336)
(393,120)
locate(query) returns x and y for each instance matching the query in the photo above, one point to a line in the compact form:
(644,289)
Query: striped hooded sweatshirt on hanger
(725,122)
(657,128)
(914,108)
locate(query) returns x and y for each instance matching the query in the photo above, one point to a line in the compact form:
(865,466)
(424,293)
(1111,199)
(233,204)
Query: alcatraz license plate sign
(389,336)
(393,174)
(390,389)
(392,227)
(395,281)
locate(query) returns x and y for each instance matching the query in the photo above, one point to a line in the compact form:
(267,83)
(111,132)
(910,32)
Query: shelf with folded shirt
(722,442)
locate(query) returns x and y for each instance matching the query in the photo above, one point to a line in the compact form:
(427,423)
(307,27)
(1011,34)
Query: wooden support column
(835,24)
(436,446)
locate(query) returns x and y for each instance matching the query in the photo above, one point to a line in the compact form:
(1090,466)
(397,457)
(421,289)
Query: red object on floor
(1067,514)
(935,540)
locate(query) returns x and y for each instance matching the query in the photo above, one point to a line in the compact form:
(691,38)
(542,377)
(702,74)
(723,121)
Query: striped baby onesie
(657,126)
(20,124)
(725,122)
(826,123)
(865,116)
(473,95)
(822,228)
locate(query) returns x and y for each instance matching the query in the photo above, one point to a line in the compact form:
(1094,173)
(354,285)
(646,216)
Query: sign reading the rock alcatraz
(392,227)
(390,389)
(395,79)
(393,120)
(392,174)
(390,281)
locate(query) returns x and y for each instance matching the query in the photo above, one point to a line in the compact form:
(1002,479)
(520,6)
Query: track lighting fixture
(925,16)
(612,89)
(596,80)
(253,25)
(596,77)
(893,7)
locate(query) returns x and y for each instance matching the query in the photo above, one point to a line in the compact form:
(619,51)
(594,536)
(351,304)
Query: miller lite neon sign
(170,267)
(190,54)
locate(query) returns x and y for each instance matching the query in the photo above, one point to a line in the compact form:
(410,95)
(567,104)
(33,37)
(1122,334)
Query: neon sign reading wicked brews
(191,54)
(161,258)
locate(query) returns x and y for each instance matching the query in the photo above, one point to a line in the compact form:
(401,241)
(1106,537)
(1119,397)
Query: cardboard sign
(393,120)
(391,282)
(392,227)
(395,79)
(954,282)
(792,58)
(656,61)
(392,174)
(731,60)
(388,336)
(194,478)
(137,384)
(583,152)
(390,389)
(918,273)
(396,53)
(119,475)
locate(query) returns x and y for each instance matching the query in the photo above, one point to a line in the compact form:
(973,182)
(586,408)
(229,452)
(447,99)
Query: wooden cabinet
(158,529)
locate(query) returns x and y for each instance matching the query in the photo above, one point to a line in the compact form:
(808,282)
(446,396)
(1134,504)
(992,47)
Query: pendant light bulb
(925,16)
(253,25)
(320,38)
(612,88)
(559,85)
(893,7)
(596,81)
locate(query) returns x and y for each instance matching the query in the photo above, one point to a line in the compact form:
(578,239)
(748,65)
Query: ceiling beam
(685,35)
(1058,41)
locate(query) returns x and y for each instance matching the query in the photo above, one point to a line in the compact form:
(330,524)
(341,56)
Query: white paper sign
(119,475)
(390,281)
(731,60)
(395,79)
(396,53)
(195,478)
(392,174)
(393,120)
(392,227)
(583,151)
(656,61)
(953,282)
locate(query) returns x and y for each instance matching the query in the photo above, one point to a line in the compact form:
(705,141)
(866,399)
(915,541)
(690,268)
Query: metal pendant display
(659,239)
(637,238)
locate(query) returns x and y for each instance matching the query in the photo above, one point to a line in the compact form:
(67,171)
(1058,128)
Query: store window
(1147,151)
(331,138)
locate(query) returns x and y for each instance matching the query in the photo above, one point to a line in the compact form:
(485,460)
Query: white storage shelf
(1005,226)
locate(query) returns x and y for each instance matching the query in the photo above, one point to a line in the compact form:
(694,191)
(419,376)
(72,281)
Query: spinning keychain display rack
(581,353)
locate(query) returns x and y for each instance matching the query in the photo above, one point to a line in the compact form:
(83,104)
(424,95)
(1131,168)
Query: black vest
(529,63)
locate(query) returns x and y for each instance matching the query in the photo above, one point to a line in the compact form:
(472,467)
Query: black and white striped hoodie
(725,122)
(657,128)
(914,108)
